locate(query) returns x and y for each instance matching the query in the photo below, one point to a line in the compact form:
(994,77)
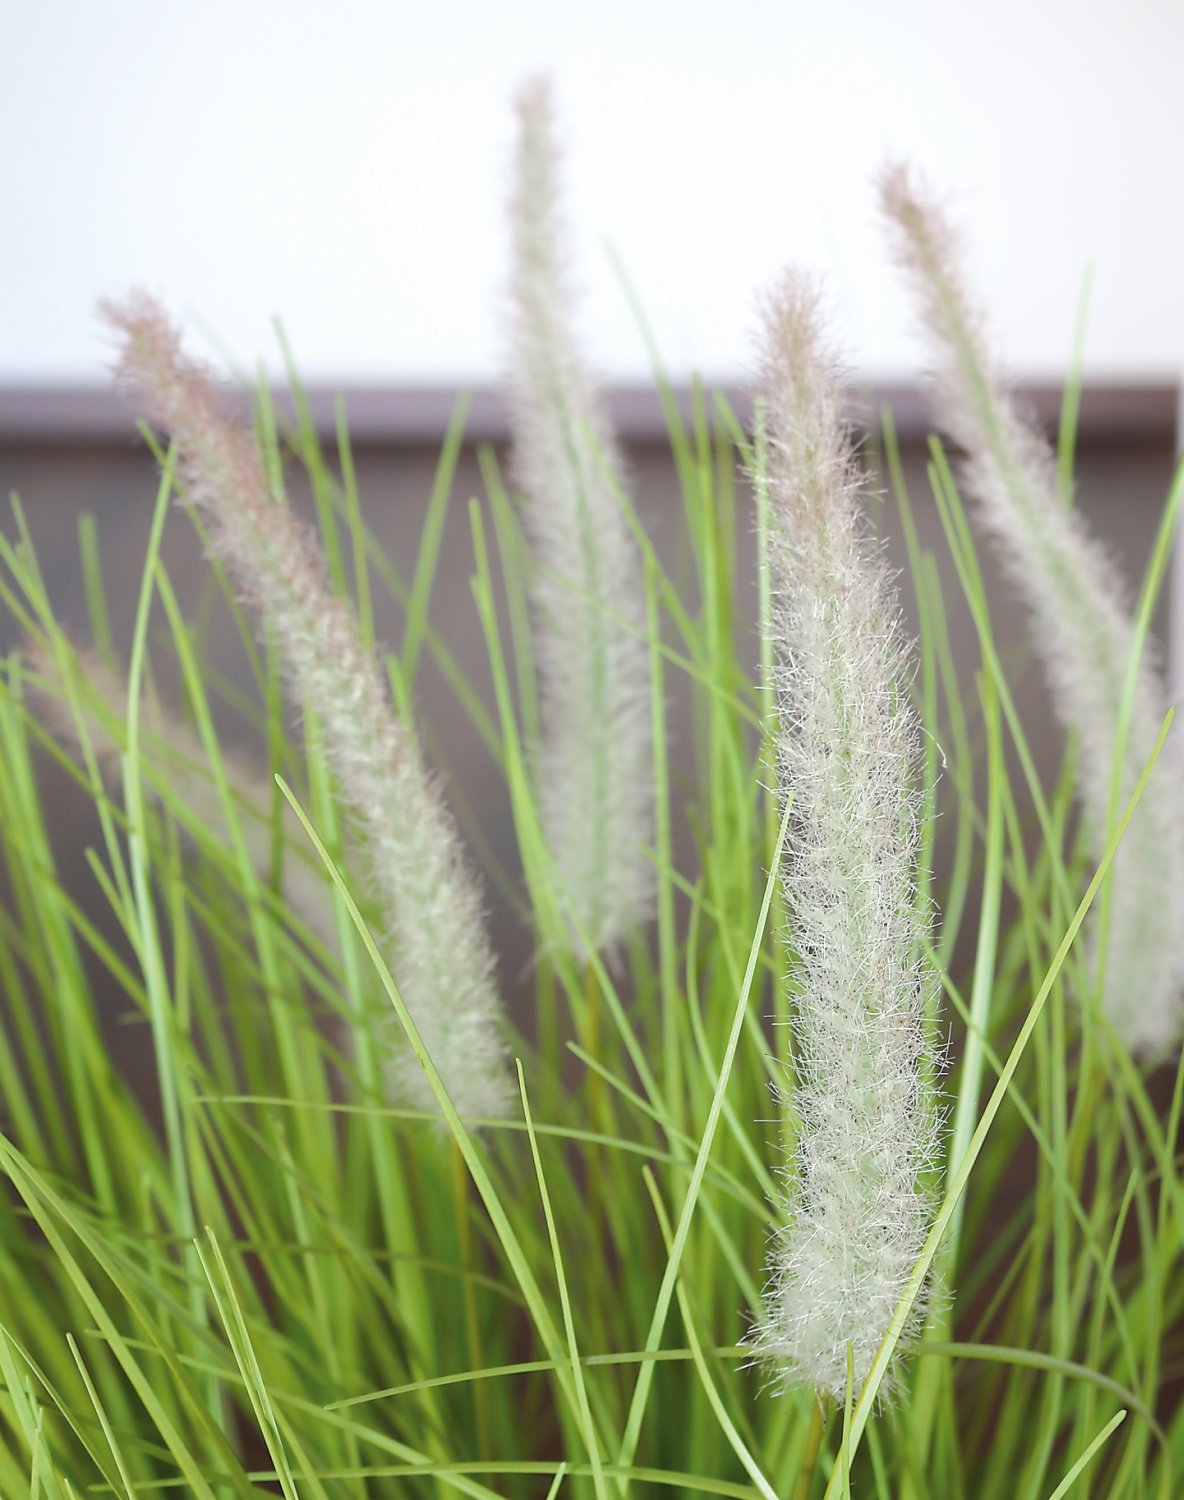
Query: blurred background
(346,168)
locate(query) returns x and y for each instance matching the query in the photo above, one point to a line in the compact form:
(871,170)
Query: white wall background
(345,165)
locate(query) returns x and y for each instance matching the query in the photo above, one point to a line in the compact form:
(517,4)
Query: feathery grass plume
(595,768)
(102,706)
(1083,627)
(439,947)
(857,1212)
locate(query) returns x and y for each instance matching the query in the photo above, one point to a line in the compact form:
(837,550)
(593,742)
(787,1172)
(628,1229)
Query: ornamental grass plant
(813,1157)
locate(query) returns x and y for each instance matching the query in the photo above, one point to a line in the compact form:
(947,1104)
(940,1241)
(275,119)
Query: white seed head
(594,766)
(856,1212)
(101,705)
(1082,628)
(438,944)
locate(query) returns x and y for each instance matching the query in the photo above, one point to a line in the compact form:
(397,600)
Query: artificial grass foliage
(259,1276)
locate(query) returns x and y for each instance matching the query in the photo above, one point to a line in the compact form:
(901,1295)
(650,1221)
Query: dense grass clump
(367,1230)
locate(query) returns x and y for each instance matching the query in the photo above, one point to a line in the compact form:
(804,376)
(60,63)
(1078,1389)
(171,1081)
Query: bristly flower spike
(856,1210)
(439,948)
(95,712)
(1083,631)
(595,763)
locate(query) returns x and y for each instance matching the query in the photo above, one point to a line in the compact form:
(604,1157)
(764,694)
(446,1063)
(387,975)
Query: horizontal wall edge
(403,416)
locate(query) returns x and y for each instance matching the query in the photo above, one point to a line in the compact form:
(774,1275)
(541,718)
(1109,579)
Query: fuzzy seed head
(437,941)
(856,1213)
(594,763)
(97,715)
(1082,627)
